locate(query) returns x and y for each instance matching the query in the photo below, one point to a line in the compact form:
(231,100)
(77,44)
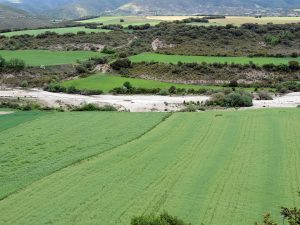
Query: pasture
(153,20)
(107,82)
(47,58)
(213,168)
(156,57)
(128,20)
(56,30)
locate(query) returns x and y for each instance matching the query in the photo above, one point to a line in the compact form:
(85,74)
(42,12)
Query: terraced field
(207,168)
(56,30)
(46,57)
(107,82)
(155,57)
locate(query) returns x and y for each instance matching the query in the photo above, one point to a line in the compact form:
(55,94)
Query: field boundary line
(28,121)
(88,158)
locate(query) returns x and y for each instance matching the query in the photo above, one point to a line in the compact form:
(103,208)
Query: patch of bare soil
(158,44)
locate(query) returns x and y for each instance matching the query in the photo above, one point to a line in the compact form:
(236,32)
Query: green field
(107,82)
(155,57)
(32,147)
(56,30)
(207,168)
(128,20)
(46,57)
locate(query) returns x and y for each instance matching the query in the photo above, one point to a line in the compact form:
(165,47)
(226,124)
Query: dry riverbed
(135,103)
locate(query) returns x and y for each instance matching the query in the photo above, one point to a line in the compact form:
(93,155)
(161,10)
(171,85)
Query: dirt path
(136,103)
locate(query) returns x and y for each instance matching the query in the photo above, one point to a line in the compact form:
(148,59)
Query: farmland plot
(207,168)
(154,57)
(46,57)
(33,146)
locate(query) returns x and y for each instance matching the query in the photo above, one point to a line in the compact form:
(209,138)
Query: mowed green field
(207,168)
(128,20)
(155,57)
(107,82)
(46,57)
(56,30)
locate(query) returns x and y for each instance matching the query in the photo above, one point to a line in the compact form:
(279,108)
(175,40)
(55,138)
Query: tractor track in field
(89,157)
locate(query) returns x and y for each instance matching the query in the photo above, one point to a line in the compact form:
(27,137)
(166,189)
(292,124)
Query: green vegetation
(36,146)
(46,57)
(107,82)
(56,30)
(154,57)
(125,21)
(162,219)
(206,168)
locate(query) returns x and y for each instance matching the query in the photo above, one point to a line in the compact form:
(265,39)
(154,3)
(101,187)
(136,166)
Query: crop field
(238,20)
(210,168)
(56,30)
(153,20)
(46,57)
(32,147)
(107,82)
(155,57)
(128,20)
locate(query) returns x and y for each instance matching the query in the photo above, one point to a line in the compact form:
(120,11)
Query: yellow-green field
(128,20)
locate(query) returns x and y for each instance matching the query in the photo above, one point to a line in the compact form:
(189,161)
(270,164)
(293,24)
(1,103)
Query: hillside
(11,18)
(78,8)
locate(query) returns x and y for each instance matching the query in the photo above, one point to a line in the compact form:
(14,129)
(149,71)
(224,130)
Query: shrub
(16,64)
(234,99)
(238,100)
(121,63)
(108,51)
(162,219)
(24,84)
(94,107)
(2,62)
(264,95)
(163,92)
(294,65)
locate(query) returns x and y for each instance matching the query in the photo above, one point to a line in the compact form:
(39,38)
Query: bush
(234,99)
(162,219)
(24,84)
(94,107)
(15,64)
(120,64)
(264,95)
(2,62)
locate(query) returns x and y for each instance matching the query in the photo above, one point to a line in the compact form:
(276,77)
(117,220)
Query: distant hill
(78,8)
(11,18)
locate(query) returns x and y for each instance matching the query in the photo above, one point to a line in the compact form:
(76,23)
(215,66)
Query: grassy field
(57,30)
(128,20)
(107,82)
(46,57)
(207,168)
(155,57)
(237,20)
(32,147)
(153,20)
